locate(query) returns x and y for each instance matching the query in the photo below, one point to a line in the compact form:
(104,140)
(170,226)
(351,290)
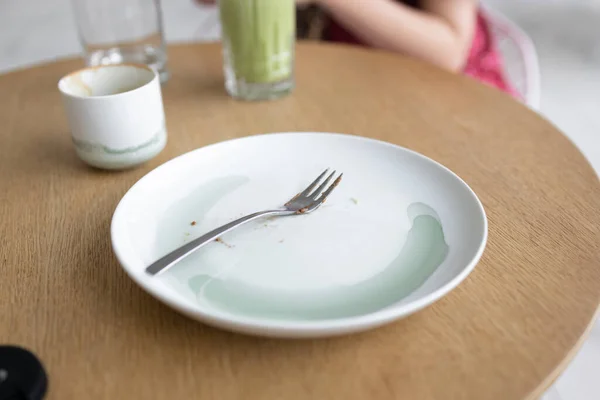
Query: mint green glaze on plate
(424,250)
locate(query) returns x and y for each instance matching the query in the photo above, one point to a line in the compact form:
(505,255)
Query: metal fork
(304,202)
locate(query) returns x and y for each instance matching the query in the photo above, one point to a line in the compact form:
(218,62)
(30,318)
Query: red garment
(484,62)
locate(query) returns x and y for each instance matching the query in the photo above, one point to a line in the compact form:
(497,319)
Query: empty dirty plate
(398,233)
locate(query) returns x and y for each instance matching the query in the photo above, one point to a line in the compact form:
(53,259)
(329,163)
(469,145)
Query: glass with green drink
(258,47)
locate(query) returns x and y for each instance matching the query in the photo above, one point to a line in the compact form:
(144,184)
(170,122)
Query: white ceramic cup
(115,113)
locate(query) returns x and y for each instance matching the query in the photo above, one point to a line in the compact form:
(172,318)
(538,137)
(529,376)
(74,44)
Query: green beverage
(258,44)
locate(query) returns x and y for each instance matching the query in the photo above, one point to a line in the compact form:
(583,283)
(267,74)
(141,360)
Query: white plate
(397,234)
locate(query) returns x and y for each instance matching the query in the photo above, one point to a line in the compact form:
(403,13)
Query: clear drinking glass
(122,31)
(258,47)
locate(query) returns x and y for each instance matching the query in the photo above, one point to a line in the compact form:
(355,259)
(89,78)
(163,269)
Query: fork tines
(313,193)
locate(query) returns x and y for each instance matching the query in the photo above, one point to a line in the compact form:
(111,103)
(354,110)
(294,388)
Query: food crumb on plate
(219,240)
(193,223)
(354,200)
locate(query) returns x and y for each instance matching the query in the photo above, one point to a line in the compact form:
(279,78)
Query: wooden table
(505,333)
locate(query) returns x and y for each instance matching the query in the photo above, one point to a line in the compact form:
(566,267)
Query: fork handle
(179,254)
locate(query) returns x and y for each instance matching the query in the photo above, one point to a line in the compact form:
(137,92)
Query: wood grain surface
(505,333)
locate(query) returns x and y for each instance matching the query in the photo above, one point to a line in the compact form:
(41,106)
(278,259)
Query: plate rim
(294,328)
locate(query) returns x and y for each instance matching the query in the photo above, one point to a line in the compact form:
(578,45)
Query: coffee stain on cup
(76,80)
